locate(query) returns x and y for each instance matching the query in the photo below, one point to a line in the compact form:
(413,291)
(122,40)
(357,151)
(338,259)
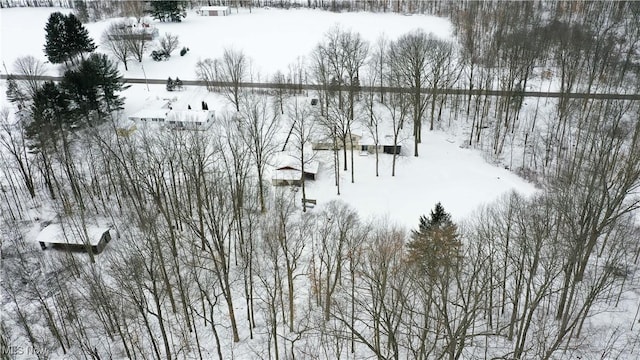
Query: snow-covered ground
(272,38)
(445,172)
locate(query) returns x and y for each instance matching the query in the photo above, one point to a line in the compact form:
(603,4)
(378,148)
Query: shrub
(159,55)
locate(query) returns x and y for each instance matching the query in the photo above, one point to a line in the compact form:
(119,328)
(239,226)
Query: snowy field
(272,38)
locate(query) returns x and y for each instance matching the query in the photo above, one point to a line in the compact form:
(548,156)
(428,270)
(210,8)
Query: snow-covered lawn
(272,38)
(444,172)
(458,177)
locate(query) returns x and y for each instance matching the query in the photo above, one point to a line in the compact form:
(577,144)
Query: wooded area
(212,261)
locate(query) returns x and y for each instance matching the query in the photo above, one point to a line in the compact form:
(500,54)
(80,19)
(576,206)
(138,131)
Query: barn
(214,11)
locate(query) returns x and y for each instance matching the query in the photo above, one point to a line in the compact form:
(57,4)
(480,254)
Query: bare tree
(377,295)
(233,69)
(344,53)
(168,43)
(114,39)
(31,68)
(378,64)
(443,71)
(408,62)
(397,106)
(281,91)
(13,140)
(258,127)
(302,128)
(207,71)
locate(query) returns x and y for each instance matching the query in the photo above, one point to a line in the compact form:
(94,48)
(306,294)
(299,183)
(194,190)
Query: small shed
(214,11)
(288,171)
(55,236)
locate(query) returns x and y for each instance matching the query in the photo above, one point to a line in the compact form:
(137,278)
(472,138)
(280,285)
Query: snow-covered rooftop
(284,160)
(56,234)
(214,8)
(150,114)
(190,116)
(289,175)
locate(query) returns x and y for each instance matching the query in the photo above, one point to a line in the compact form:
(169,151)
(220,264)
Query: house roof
(150,113)
(284,161)
(214,8)
(189,116)
(55,234)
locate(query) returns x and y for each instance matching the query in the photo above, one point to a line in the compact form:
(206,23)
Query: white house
(175,115)
(214,11)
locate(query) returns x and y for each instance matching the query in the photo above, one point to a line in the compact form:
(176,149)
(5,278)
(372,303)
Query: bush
(184,51)
(159,55)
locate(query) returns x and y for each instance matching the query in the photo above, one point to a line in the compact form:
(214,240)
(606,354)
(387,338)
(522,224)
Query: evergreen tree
(66,38)
(81,10)
(93,88)
(50,116)
(178,83)
(55,46)
(167,10)
(78,37)
(170,84)
(14,93)
(435,247)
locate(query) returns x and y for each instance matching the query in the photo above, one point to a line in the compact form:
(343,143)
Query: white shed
(214,11)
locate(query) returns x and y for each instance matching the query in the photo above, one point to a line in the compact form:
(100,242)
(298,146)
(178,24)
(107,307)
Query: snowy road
(386,89)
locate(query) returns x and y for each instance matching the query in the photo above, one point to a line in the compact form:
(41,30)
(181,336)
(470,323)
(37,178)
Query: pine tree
(170,84)
(167,10)
(93,88)
(435,246)
(14,93)
(55,39)
(50,115)
(78,37)
(178,83)
(66,38)
(109,82)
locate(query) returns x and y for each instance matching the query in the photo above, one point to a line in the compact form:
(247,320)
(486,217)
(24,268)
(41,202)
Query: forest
(208,260)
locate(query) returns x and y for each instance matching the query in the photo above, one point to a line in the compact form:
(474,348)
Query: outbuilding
(288,170)
(55,236)
(214,11)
